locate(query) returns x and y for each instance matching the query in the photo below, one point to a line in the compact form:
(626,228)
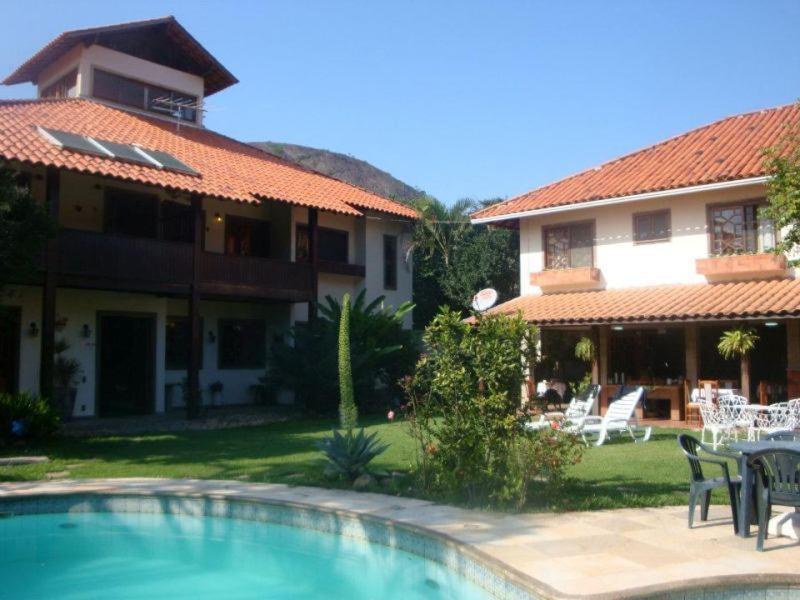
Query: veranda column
(48,342)
(691,358)
(793,357)
(196,333)
(313,259)
(602,333)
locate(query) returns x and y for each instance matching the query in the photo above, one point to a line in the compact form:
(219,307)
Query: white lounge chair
(572,418)
(619,418)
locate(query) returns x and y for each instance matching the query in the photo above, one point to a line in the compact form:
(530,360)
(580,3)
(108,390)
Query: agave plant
(349,454)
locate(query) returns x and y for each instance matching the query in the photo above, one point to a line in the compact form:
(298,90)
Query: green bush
(382,352)
(464,400)
(26,417)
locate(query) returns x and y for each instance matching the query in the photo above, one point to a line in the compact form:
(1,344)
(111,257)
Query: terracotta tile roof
(228,169)
(726,150)
(185,50)
(690,302)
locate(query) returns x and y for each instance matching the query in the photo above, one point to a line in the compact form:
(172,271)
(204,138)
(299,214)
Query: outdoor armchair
(777,482)
(700,486)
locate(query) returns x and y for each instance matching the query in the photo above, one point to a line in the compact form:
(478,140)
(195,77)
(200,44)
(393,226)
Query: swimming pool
(156,554)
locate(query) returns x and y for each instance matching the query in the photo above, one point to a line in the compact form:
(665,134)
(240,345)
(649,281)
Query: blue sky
(466,99)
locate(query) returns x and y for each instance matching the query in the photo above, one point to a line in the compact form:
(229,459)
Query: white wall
(623,263)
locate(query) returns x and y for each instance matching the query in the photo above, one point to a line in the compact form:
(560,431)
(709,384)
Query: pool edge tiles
(496,582)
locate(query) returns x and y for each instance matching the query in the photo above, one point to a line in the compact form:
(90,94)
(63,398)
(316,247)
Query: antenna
(176,106)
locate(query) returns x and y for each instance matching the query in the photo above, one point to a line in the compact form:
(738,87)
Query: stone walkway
(605,554)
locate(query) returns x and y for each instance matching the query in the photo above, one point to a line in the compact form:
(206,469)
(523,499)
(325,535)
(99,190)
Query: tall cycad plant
(348,454)
(738,343)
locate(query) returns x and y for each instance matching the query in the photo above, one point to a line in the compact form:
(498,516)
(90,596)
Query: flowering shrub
(463,408)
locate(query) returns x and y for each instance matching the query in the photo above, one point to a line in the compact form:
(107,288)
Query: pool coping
(372,508)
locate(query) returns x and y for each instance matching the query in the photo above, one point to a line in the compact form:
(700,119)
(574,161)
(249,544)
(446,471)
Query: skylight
(122,152)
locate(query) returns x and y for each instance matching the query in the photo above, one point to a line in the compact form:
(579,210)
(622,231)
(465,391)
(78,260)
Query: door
(126,364)
(9,349)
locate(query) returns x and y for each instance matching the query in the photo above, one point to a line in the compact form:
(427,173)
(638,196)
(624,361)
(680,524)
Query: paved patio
(605,554)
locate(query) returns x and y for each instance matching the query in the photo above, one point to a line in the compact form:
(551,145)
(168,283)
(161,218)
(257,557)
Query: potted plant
(738,343)
(65,379)
(216,393)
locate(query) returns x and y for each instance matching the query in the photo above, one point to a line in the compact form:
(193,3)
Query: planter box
(739,267)
(567,280)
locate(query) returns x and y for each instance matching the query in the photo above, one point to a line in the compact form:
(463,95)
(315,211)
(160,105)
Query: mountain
(344,167)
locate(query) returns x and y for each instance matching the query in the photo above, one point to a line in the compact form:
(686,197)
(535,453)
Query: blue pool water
(152,556)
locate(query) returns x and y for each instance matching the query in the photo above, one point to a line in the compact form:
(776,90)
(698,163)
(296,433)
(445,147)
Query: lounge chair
(578,409)
(619,418)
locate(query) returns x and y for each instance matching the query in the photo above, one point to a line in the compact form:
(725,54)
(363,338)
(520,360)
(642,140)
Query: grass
(619,474)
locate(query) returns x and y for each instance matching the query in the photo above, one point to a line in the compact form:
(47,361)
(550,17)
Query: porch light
(617,327)
(771,324)
(33,329)
(218,217)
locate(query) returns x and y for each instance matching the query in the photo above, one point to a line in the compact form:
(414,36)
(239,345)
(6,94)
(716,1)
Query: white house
(182,253)
(653,255)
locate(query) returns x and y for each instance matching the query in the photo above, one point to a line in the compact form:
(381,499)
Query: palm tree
(441,228)
(738,343)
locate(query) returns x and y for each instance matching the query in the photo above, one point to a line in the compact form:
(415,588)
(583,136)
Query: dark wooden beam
(194,399)
(48,341)
(313,258)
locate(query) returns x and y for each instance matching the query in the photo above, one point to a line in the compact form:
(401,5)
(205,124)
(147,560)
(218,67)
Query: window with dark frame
(247,237)
(333,244)
(131,213)
(178,343)
(177,222)
(63,87)
(652,227)
(242,344)
(569,246)
(390,262)
(137,94)
(737,229)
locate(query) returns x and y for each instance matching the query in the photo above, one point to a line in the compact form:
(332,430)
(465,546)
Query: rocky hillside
(344,167)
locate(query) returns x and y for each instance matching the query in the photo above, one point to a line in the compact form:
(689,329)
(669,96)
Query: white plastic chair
(619,418)
(772,419)
(581,407)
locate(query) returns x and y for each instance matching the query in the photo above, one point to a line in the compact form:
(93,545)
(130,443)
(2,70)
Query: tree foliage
(25,227)
(381,351)
(783,189)
(454,259)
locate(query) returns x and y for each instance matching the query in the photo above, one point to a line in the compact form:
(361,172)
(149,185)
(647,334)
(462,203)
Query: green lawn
(616,475)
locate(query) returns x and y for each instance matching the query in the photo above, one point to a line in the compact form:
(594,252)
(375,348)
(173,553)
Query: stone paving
(609,554)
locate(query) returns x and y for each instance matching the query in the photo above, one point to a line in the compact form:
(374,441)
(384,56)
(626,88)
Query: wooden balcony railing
(102,261)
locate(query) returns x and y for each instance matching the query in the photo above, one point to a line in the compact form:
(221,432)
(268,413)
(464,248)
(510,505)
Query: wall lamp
(86,331)
(33,329)
(211,337)
(217,217)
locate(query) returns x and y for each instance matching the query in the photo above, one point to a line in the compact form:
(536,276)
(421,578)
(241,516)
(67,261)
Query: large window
(137,94)
(333,244)
(569,246)
(390,262)
(131,213)
(247,237)
(736,229)
(179,341)
(242,344)
(652,227)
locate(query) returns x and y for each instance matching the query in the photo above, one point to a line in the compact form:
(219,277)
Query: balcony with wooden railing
(94,260)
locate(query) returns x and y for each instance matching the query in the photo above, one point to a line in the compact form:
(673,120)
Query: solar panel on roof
(73,141)
(126,152)
(169,162)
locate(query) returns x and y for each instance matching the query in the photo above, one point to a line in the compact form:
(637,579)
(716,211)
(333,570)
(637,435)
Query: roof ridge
(634,153)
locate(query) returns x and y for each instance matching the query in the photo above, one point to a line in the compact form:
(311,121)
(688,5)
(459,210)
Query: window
(177,222)
(389,262)
(179,340)
(242,344)
(65,87)
(333,244)
(137,94)
(652,227)
(736,229)
(131,213)
(569,246)
(247,237)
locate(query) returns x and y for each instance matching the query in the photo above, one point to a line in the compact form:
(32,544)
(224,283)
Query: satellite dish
(484,300)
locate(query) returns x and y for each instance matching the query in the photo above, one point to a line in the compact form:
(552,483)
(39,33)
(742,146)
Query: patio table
(746,508)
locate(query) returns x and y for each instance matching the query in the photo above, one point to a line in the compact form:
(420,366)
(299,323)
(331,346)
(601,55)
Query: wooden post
(313,259)
(48,342)
(194,398)
(602,366)
(691,365)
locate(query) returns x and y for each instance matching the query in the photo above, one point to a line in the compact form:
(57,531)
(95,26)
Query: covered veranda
(665,339)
